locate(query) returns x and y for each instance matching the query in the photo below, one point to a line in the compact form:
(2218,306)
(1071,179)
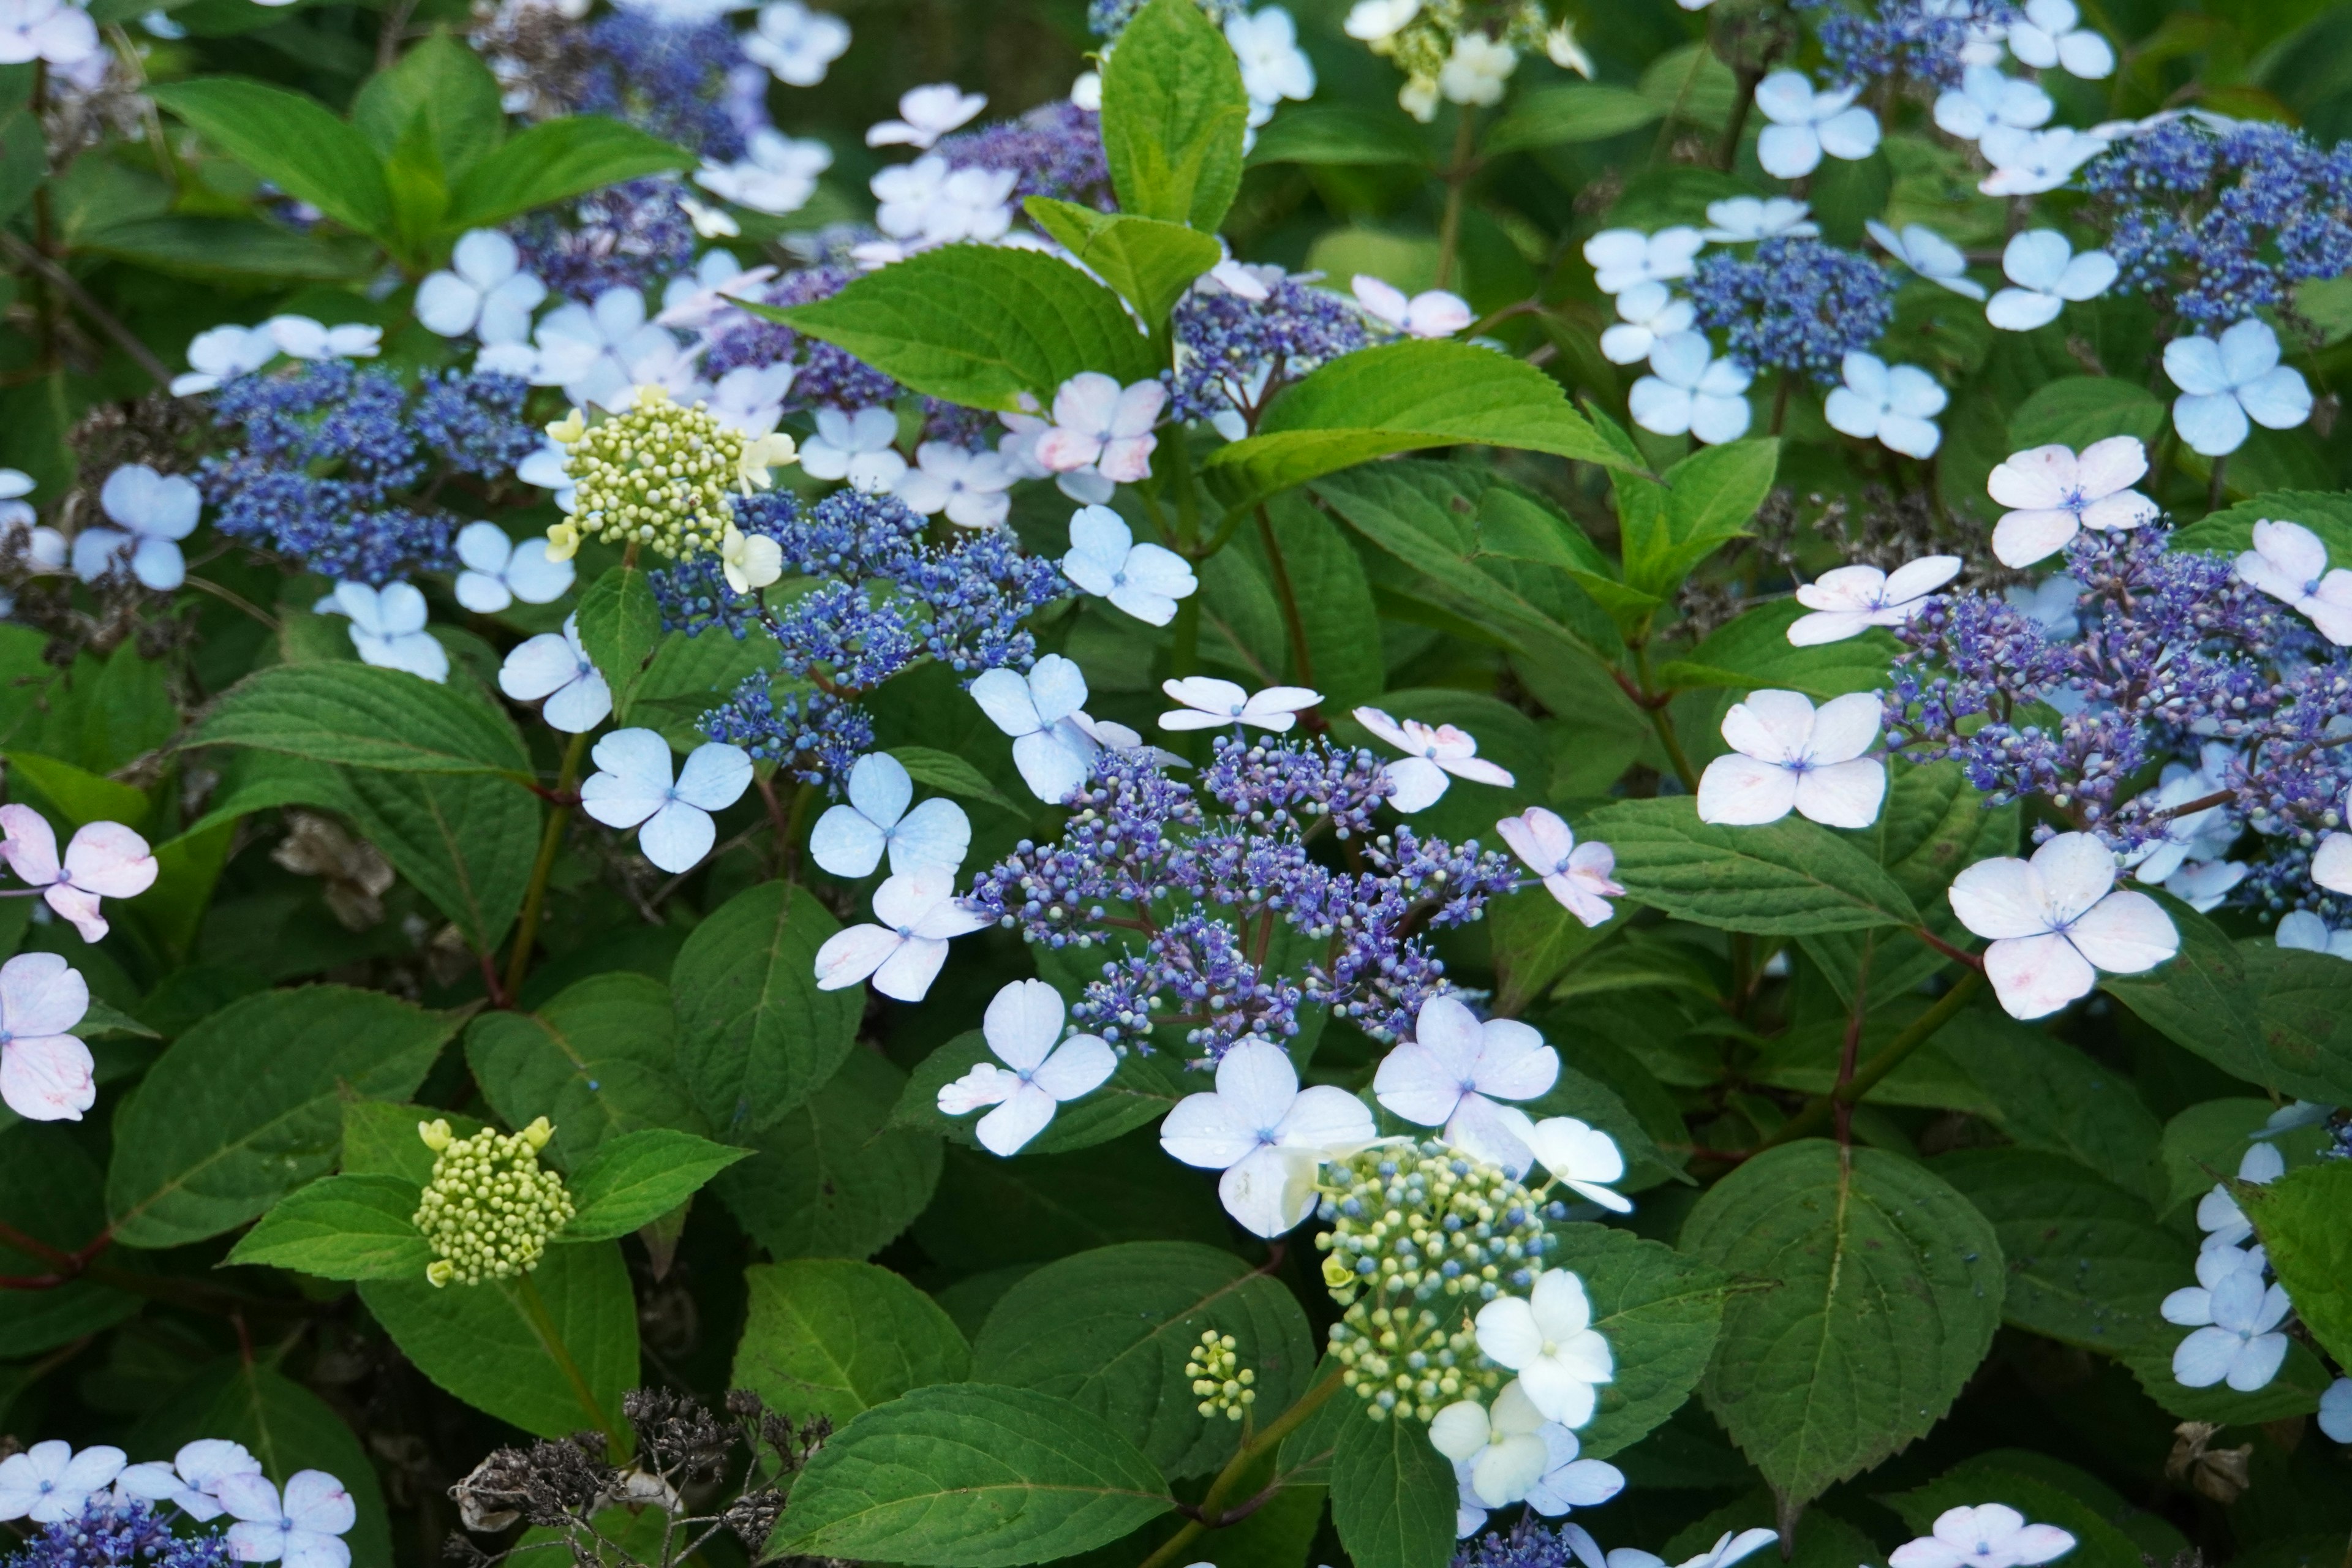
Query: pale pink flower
(1455,1070)
(1576,874)
(1432,751)
(2055,495)
(1100,425)
(2056,921)
(917,911)
(1021,1026)
(1433,314)
(45,1071)
(1850,600)
(1212,704)
(1989,1535)
(1788,757)
(305,1529)
(104,860)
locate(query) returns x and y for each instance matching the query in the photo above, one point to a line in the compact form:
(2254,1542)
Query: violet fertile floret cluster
(2175,655)
(1199,899)
(876,599)
(1918,43)
(2217,223)
(630,236)
(108,1533)
(1055,150)
(684,80)
(329,461)
(1798,305)
(823,376)
(1233,353)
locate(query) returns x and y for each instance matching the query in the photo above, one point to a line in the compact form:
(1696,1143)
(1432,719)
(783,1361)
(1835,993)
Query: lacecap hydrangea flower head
(489,1210)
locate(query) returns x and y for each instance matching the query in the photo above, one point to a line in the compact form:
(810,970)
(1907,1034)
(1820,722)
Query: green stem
(1855,1089)
(1656,708)
(542,1323)
(534,901)
(1286,597)
(1457,181)
(1248,1455)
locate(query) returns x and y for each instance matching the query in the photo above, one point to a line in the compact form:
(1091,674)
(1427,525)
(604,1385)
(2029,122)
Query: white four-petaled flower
(1435,313)
(1549,1341)
(777,174)
(1456,1068)
(1847,601)
(45,1072)
(2054,495)
(2028,163)
(2056,921)
(303,1529)
(1786,755)
(2045,275)
(388,627)
(486,292)
(968,485)
(1622,257)
(1575,874)
(632,788)
(1266,1134)
(1805,124)
(150,512)
(553,667)
(2306,932)
(1580,1156)
(1435,755)
(917,913)
(188,1479)
(1985,98)
(925,114)
(1989,1535)
(102,860)
(2236,1339)
(1054,742)
(849,839)
(497,571)
(1894,404)
(795,43)
(2288,562)
(857,446)
(220,354)
(2049,34)
(1144,580)
(1929,254)
(1023,1023)
(1100,425)
(1741,220)
(2226,382)
(1209,703)
(1265,46)
(48,1482)
(1690,392)
(1647,314)
(1510,1454)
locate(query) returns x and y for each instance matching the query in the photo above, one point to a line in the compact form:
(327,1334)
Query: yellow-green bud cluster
(1421,1236)
(1219,1377)
(490,1209)
(657,475)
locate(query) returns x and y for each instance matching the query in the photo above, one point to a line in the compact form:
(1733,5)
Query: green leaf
(1691,84)
(1415,512)
(443,86)
(638,1177)
(599,1060)
(967,1475)
(1111,1332)
(492,1346)
(992,1211)
(829,1179)
(2199,998)
(466,843)
(2304,1220)
(245,1107)
(979,325)
(1789,878)
(291,141)
(2048,1095)
(2307,1028)
(1550,116)
(1335,134)
(1660,1312)
(1888,1291)
(755,1036)
(283,1425)
(828,1337)
(1174,116)
(1393,1495)
(1401,398)
(2088,1264)
(2232,529)
(2202,1145)
(363,717)
(1150,262)
(52,1192)
(620,625)
(2076,410)
(1142,1090)
(342,1227)
(1710,496)
(1752,650)
(215,249)
(950,774)
(1334,599)
(381,1139)
(555,161)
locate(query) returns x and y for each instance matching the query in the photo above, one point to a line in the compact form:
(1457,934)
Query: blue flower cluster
(877,599)
(1527,1545)
(1798,306)
(332,458)
(1056,149)
(1916,42)
(684,80)
(823,376)
(2177,664)
(630,236)
(1234,353)
(107,1535)
(1196,901)
(2217,223)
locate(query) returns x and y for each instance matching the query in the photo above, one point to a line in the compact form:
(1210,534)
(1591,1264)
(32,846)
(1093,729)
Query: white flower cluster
(303,1526)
